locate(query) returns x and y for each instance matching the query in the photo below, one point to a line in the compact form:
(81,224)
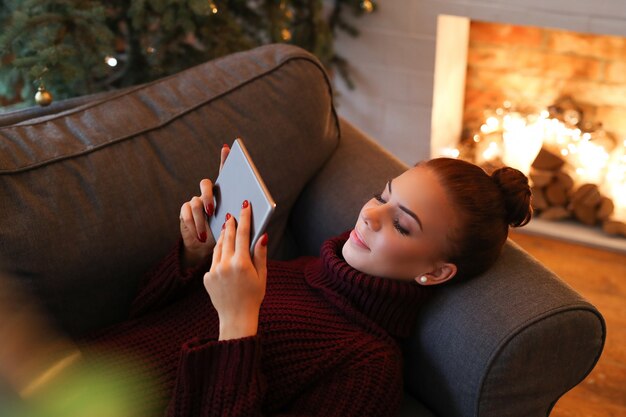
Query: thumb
(260,256)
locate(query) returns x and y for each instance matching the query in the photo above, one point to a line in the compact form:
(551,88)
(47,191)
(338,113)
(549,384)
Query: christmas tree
(77,47)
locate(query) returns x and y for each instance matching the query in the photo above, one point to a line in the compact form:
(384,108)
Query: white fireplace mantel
(393,65)
(393,61)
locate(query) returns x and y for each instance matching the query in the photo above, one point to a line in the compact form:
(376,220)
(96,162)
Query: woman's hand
(236,282)
(194,228)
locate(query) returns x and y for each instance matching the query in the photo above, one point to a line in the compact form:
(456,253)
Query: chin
(346,252)
(353,259)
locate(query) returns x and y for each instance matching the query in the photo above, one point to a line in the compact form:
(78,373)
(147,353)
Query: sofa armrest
(510,342)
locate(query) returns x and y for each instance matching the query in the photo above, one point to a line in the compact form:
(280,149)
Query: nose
(371,217)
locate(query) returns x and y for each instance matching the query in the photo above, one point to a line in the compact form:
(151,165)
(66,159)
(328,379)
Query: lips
(356,238)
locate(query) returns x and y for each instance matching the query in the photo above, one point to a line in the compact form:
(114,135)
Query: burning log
(548,161)
(555,197)
(614,227)
(550,186)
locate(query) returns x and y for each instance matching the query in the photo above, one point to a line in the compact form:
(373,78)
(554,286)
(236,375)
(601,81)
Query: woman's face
(402,232)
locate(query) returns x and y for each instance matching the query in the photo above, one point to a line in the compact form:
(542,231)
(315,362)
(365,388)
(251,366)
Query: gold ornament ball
(286,35)
(367,6)
(43,97)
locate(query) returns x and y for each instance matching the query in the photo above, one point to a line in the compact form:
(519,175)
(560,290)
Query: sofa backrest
(90,194)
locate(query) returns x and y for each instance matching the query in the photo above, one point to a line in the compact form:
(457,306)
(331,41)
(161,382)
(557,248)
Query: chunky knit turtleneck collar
(391,304)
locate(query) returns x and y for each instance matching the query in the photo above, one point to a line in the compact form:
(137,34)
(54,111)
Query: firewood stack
(556,197)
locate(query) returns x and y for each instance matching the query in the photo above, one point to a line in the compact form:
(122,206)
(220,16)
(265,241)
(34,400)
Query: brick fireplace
(416,111)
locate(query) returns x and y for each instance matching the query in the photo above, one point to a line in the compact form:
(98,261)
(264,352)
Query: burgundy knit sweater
(325,344)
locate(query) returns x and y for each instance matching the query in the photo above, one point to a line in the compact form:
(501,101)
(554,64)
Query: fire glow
(515,139)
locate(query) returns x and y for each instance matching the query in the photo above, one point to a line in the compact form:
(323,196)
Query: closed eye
(379,198)
(399,228)
(396,222)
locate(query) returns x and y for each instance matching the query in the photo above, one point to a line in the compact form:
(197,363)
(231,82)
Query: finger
(260,256)
(228,248)
(206,194)
(243,229)
(186,218)
(224,153)
(217,251)
(197,210)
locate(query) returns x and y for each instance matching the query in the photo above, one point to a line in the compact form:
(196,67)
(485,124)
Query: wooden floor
(600,276)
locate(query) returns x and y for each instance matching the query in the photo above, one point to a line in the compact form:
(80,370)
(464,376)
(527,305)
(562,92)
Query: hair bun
(516,192)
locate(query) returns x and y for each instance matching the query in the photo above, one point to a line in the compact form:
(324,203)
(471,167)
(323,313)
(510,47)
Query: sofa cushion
(91,195)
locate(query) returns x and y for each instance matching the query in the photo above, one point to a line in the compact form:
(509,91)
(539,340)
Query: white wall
(392,61)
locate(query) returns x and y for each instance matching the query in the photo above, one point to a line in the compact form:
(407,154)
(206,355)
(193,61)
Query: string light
(110,61)
(450,152)
(516,139)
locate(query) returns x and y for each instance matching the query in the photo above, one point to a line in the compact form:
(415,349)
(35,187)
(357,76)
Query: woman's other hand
(236,282)
(194,228)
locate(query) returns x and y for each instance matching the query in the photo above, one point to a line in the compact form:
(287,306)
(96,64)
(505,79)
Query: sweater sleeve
(161,284)
(225,379)
(219,379)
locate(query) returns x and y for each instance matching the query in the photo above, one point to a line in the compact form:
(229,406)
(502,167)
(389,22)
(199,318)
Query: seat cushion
(91,194)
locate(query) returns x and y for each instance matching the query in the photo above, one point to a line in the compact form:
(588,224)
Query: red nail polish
(225,145)
(245,204)
(264,239)
(228,216)
(202,237)
(210,209)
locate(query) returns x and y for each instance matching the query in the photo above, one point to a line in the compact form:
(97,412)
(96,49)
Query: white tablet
(239,180)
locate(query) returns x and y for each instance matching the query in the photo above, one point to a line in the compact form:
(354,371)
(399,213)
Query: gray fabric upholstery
(331,202)
(481,345)
(90,192)
(90,196)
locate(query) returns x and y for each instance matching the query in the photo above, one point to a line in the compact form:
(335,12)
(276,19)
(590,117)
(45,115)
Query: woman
(311,336)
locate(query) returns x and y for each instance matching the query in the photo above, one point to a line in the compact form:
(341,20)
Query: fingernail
(245,204)
(228,216)
(210,209)
(202,237)
(264,239)
(225,146)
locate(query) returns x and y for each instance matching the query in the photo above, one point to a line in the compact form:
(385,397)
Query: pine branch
(66,41)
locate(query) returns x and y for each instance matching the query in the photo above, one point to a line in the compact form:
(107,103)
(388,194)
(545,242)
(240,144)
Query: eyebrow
(406,210)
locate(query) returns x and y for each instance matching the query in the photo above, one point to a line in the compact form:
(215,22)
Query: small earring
(423,279)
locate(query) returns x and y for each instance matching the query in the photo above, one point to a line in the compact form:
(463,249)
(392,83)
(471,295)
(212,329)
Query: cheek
(403,252)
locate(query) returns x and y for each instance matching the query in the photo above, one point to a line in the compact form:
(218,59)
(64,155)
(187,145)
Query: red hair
(486,206)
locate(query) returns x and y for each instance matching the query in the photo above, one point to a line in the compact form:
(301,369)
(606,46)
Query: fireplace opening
(551,103)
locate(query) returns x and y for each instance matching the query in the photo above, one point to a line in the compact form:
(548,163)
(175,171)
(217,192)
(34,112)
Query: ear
(444,272)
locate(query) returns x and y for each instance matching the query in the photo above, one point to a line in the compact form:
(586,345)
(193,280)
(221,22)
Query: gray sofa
(90,190)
